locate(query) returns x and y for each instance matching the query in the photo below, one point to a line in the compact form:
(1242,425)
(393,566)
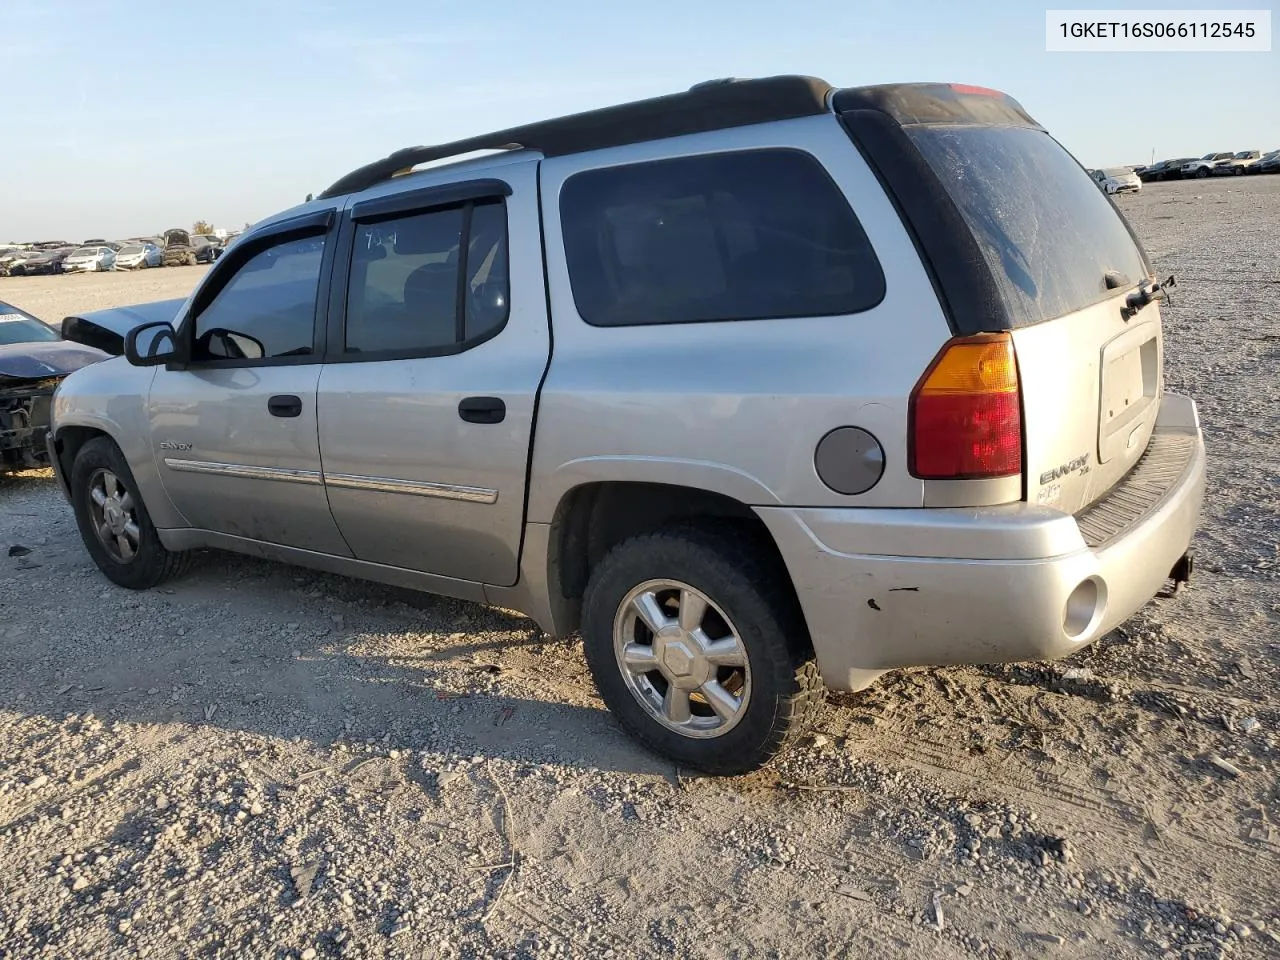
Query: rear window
(1048,233)
(731,236)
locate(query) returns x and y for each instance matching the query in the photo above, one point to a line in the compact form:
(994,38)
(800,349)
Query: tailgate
(1060,261)
(1090,393)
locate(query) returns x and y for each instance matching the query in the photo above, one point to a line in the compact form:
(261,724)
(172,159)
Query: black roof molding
(911,103)
(714,105)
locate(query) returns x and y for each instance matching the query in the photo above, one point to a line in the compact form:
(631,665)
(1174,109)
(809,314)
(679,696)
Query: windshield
(18,327)
(1117,171)
(1049,235)
(86,252)
(131,249)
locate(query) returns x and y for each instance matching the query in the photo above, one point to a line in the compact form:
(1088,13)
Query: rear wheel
(114,523)
(698,647)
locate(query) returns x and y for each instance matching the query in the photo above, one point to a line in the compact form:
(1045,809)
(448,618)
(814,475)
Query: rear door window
(732,236)
(417,288)
(1050,236)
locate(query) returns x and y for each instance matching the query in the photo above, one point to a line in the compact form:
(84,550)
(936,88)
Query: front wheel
(1201,173)
(697,645)
(114,523)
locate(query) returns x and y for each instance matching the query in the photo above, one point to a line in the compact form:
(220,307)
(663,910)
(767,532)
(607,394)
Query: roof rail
(714,105)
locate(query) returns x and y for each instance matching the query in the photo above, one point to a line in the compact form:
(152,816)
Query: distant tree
(202,226)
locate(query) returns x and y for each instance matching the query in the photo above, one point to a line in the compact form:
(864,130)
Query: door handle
(482,410)
(284,405)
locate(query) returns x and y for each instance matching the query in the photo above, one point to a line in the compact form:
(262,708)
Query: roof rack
(713,105)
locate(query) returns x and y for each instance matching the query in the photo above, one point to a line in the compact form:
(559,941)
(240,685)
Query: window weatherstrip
(460,285)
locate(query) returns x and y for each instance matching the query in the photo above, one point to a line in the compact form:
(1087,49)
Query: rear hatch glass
(1050,236)
(1062,259)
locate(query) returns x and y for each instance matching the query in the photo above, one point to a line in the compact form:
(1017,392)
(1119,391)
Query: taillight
(965,417)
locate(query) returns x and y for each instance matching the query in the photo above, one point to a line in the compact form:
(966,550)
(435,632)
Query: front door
(235,432)
(438,340)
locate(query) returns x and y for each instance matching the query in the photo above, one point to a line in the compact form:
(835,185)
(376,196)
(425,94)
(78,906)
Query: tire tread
(740,554)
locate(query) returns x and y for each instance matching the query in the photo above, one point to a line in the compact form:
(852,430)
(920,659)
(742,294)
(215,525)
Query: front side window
(428,281)
(267,309)
(733,236)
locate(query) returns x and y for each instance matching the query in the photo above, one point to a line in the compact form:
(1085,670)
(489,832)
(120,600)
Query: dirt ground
(261,761)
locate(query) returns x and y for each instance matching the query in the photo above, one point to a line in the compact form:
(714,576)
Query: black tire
(1201,173)
(752,589)
(151,564)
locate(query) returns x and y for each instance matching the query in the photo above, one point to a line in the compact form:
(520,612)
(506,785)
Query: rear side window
(1048,233)
(417,286)
(732,236)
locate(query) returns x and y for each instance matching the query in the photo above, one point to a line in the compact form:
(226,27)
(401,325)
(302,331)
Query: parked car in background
(113,244)
(33,361)
(1164,170)
(206,251)
(1203,167)
(89,259)
(178,251)
(1237,165)
(17,265)
(796,427)
(1269,163)
(138,256)
(1117,180)
(41,262)
(7,256)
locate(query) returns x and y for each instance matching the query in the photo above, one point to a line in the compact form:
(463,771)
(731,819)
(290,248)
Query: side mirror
(151,344)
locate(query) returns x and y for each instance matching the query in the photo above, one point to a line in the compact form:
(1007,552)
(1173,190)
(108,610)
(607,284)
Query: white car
(1116,180)
(90,258)
(1204,166)
(136,256)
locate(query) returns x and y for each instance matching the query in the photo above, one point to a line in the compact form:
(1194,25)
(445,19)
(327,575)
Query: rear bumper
(882,589)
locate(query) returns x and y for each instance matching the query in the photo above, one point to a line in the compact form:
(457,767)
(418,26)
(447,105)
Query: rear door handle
(482,410)
(284,405)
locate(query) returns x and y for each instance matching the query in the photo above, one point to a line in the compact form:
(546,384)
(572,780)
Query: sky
(121,119)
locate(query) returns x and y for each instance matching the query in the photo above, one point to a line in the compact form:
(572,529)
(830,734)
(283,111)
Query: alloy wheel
(114,514)
(682,658)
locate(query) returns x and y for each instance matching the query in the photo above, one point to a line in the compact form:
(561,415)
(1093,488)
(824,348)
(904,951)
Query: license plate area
(1130,387)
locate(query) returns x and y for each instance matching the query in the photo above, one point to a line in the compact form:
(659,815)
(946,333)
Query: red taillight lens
(966,412)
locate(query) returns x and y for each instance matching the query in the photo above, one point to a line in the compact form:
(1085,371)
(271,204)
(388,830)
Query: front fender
(111,398)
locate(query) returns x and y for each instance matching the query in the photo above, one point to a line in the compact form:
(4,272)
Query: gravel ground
(263,761)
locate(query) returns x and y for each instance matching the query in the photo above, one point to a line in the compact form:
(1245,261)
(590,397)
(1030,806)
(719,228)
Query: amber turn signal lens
(966,413)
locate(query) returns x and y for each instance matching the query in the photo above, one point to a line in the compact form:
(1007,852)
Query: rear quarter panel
(735,407)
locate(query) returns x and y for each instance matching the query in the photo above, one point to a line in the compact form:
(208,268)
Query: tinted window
(1047,232)
(734,236)
(271,300)
(19,327)
(406,280)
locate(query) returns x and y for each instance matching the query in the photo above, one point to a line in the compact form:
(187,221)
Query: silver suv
(763,386)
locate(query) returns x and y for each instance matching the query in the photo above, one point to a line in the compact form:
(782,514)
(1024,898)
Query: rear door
(1022,240)
(439,340)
